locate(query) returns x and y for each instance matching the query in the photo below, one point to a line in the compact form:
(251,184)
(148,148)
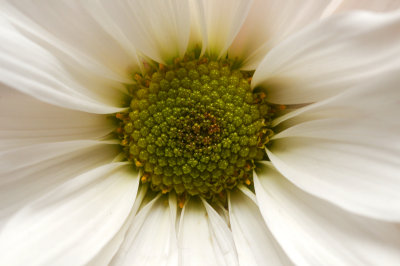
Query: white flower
(328,196)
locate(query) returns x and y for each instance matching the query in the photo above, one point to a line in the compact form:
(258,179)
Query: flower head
(199,133)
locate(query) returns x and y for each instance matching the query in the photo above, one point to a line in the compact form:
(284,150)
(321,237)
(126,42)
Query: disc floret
(195,127)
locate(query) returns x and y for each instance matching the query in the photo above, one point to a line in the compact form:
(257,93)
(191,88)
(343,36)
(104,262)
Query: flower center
(195,127)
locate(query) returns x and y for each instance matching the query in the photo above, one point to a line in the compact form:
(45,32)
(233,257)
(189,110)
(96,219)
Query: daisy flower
(193,132)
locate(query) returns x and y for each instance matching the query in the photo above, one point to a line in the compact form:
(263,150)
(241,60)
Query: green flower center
(195,127)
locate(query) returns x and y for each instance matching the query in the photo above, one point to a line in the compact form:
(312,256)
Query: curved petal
(204,238)
(114,247)
(268,23)
(329,57)
(61,60)
(347,149)
(68,225)
(254,242)
(25,120)
(218,22)
(159,29)
(27,173)
(151,239)
(68,31)
(314,232)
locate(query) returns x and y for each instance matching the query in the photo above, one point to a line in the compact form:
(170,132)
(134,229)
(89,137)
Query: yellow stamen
(137,77)
(145,178)
(181,200)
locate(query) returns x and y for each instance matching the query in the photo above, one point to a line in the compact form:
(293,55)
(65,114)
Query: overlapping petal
(32,69)
(346,149)
(158,29)
(254,242)
(68,31)
(24,121)
(28,172)
(216,23)
(151,239)
(203,237)
(329,57)
(268,23)
(75,220)
(113,250)
(315,232)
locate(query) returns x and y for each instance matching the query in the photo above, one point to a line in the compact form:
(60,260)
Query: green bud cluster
(195,127)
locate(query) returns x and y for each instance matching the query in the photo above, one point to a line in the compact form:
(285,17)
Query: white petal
(268,23)
(254,242)
(114,247)
(204,238)
(27,173)
(70,224)
(115,19)
(329,57)
(347,149)
(151,239)
(314,232)
(159,29)
(198,30)
(218,22)
(69,31)
(25,120)
(338,6)
(36,62)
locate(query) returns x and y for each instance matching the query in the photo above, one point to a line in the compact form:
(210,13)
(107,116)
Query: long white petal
(347,149)
(28,172)
(254,242)
(218,22)
(45,59)
(204,238)
(329,57)
(69,32)
(115,18)
(159,29)
(113,249)
(314,232)
(268,23)
(151,240)
(68,225)
(25,120)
